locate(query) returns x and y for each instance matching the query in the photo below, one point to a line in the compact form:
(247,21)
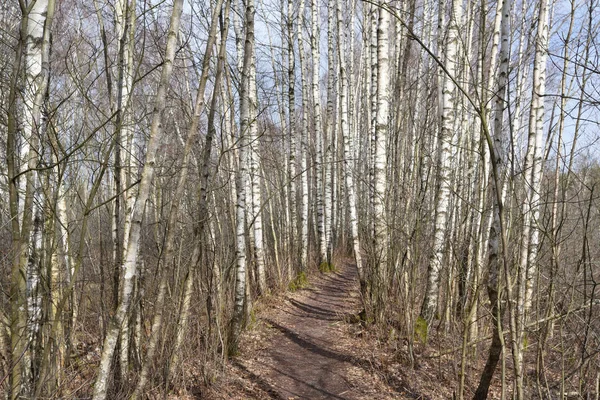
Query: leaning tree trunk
(125,31)
(130,261)
(176,200)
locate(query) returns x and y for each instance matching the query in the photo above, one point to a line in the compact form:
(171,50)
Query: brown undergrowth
(309,344)
(312,344)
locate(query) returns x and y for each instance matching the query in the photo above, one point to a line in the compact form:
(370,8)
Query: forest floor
(309,345)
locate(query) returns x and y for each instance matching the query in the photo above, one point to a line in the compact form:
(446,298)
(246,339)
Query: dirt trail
(303,349)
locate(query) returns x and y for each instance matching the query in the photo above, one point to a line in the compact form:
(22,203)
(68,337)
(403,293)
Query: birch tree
(497,237)
(349,150)
(179,191)
(293,145)
(147,176)
(380,245)
(321,208)
(248,69)
(304,139)
(254,163)
(32,54)
(442,198)
(330,133)
(531,207)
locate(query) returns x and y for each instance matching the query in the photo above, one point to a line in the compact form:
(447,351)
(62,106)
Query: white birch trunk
(373,117)
(36,54)
(125,27)
(257,222)
(348,149)
(330,131)
(352,87)
(536,133)
(304,141)
(26,305)
(176,200)
(130,261)
(442,202)
(318,128)
(379,163)
(532,183)
(293,167)
(242,178)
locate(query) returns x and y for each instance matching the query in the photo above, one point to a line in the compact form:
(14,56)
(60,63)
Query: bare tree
(147,176)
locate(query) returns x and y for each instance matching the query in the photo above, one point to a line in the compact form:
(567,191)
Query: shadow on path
(310,355)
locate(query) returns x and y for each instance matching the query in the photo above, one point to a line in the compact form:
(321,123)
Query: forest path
(303,348)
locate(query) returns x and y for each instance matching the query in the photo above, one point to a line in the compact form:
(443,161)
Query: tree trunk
(532,182)
(380,245)
(176,200)
(255,181)
(237,322)
(442,201)
(130,261)
(32,52)
(304,141)
(349,150)
(293,170)
(318,128)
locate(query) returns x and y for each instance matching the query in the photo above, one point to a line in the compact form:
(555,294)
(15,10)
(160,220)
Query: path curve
(309,352)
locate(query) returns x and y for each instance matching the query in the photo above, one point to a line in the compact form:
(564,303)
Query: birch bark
(130,261)
(318,128)
(380,145)
(442,202)
(349,150)
(125,32)
(293,147)
(304,140)
(255,172)
(532,181)
(242,178)
(32,50)
(330,131)
(179,191)
(498,158)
